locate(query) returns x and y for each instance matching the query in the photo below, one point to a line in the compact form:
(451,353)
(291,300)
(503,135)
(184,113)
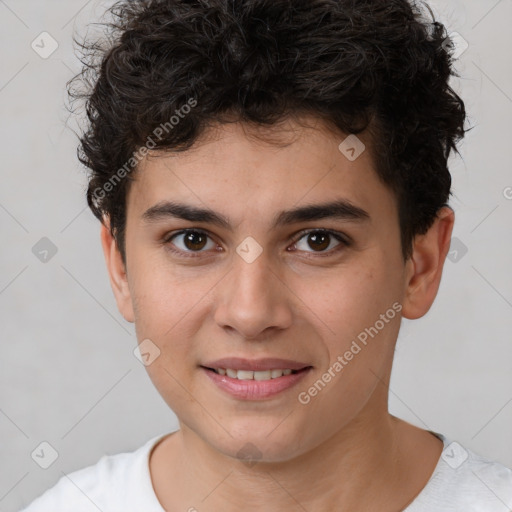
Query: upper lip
(239,363)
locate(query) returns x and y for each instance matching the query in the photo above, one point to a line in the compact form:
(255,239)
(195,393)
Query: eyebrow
(340,209)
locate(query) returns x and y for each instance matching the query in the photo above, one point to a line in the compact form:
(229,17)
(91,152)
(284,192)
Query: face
(252,251)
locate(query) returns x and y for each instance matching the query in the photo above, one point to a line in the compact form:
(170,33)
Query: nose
(253,300)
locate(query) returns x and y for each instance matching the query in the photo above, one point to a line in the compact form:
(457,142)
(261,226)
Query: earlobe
(117,273)
(425,267)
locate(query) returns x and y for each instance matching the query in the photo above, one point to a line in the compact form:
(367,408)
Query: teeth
(252,375)
(263,375)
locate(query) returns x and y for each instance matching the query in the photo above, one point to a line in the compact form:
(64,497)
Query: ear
(117,273)
(425,266)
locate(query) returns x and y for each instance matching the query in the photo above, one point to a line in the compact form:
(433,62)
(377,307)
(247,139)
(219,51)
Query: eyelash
(343,239)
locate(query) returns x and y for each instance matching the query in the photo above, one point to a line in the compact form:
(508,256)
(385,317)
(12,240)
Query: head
(306,154)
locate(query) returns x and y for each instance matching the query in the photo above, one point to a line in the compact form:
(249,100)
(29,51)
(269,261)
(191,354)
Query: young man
(272,182)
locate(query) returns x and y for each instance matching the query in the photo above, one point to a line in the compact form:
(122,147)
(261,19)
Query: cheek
(170,310)
(350,298)
(358,313)
(362,315)
(164,297)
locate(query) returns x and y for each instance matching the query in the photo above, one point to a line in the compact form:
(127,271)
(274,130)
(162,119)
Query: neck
(367,462)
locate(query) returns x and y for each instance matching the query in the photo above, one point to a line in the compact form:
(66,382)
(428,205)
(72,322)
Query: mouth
(255,375)
(256,379)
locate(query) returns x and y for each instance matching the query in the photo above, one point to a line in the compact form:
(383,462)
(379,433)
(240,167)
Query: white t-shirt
(461,482)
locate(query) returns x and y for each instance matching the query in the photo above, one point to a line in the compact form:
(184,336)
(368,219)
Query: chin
(252,443)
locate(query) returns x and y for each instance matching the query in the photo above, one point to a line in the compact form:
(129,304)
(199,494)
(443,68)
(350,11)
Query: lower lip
(255,389)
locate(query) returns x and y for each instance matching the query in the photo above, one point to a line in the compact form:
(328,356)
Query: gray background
(69,376)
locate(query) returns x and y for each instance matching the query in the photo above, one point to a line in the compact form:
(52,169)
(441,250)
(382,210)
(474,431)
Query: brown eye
(320,241)
(190,241)
(194,240)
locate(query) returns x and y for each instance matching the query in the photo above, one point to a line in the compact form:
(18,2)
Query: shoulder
(464,480)
(116,482)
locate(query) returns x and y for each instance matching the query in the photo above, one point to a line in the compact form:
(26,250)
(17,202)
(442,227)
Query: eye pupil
(320,240)
(194,240)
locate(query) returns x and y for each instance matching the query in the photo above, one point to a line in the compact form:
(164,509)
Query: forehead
(262,169)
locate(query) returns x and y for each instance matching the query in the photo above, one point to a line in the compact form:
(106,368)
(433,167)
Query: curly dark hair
(374,65)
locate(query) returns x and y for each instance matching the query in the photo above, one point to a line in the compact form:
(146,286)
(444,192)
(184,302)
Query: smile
(254,384)
(253,375)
